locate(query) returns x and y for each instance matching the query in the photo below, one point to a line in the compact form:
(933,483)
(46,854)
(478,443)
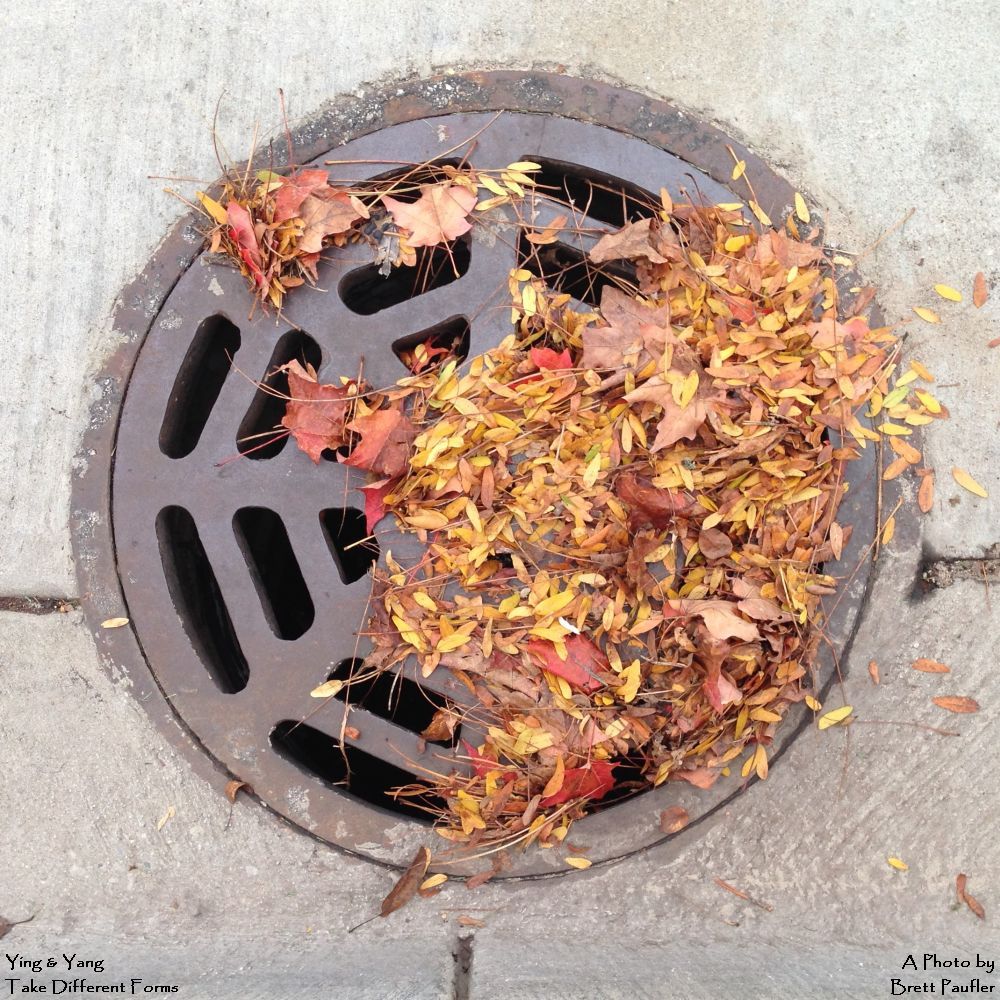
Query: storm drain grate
(245,568)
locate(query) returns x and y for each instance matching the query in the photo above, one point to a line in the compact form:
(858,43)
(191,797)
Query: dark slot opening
(197,385)
(567,269)
(259,434)
(390,696)
(352,549)
(275,571)
(451,335)
(602,196)
(629,782)
(365,291)
(347,766)
(196,597)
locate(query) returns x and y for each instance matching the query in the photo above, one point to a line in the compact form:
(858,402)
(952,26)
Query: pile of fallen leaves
(625,512)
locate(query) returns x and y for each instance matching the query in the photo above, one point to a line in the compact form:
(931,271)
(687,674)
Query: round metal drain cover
(242,566)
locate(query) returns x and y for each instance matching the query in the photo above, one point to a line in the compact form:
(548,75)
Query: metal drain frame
(626,827)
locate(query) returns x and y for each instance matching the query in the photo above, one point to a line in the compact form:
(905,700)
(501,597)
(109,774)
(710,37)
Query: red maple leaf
(583,661)
(649,504)
(592,781)
(295,189)
(544,358)
(315,414)
(242,233)
(375,501)
(386,436)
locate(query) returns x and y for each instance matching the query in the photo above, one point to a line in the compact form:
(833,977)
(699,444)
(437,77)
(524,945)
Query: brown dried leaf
(6,926)
(714,544)
(325,216)
(409,882)
(980,293)
(925,495)
(234,787)
(963,896)
(386,436)
(632,241)
(464,921)
(673,819)
(930,666)
(873,672)
(957,703)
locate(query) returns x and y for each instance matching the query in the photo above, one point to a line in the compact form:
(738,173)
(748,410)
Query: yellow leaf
(801,208)
(631,677)
(523,165)
(734,243)
(434,881)
(114,623)
(927,315)
(425,601)
(947,292)
(832,718)
(491,185)
(739,169)
(813,703)
(553,605)
(214,209)
(889,530)
(327,690)
(762,217)
(967,482)
(592,471)
(580,863)
(928,400)
(448,644)
(898,864)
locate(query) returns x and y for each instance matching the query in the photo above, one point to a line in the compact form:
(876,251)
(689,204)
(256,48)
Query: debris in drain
(661,479)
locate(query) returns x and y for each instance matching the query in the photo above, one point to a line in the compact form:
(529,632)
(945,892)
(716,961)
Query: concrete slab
(872,112)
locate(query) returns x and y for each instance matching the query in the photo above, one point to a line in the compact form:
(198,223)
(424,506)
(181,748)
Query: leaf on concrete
(980,293)
(960,704)
(409,882)
(234,787)
(674,818)
(964,896)
(967,482)
(930,666)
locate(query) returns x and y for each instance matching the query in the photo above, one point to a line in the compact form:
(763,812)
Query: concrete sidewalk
(871,112)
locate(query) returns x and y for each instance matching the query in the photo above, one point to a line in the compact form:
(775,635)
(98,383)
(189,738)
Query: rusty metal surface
(228,724)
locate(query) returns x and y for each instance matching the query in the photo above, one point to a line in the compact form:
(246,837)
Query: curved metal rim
(626,111)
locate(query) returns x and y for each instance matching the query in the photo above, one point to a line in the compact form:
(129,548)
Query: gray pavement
(870,111)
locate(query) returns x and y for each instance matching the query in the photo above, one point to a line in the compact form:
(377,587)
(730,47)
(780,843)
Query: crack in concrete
(39,605)
(462,954)
(936,574)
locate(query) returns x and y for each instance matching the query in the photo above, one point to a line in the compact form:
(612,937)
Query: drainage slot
(276,575)
(567,269)
(260,434)
(347,766)
(390,696)
(353,549)
(365,291)
(198,601)
(197,385)
(600,196)
(451,336)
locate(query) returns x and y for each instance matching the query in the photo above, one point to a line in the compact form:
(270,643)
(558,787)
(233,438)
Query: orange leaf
(930,666)
(438,215)
(873,672)
(979,291)
(673,819)
(925,495)
(957,703)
